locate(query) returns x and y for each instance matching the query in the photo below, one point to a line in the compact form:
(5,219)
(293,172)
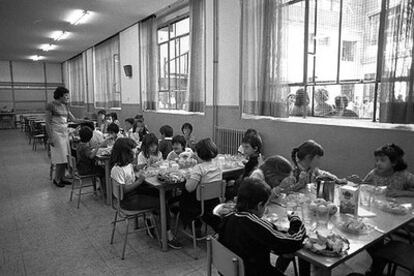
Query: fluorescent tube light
(36,58)
(59,35)
(78,17)
(47,47)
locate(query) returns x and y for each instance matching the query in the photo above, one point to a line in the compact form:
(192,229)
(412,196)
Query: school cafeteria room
(207,137)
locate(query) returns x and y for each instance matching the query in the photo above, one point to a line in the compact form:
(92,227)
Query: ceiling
(27,24)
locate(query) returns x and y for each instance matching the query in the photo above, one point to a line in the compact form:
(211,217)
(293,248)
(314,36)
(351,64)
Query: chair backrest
(225,261)
(211,190)
(118,193)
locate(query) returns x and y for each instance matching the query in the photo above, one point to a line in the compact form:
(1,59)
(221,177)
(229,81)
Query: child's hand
(341,181)
(395,193)
(140,177)
(354,178)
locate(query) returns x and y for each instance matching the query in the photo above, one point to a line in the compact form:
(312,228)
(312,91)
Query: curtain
(396,90)
(76,81)
(148,57)
(263,58)
(107,79)
(196,85)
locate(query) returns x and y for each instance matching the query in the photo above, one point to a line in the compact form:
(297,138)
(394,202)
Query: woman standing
(57,115)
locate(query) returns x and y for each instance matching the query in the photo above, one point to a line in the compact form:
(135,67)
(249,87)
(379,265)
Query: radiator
(228,140)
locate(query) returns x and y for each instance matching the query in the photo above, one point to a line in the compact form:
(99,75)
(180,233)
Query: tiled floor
(42,233)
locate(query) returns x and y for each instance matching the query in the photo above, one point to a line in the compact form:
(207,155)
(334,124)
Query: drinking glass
(365,195)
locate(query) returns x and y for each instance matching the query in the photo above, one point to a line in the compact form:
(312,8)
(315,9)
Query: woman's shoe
(59,184)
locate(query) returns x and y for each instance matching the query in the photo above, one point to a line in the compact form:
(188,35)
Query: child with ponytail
(306,159)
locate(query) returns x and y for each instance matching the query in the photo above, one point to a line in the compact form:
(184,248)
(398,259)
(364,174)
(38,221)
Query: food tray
(312,245)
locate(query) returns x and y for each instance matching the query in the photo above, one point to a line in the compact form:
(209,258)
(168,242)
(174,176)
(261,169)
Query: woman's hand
(51,142)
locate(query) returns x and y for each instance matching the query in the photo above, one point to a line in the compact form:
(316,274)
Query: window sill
(175,112)
(358,123)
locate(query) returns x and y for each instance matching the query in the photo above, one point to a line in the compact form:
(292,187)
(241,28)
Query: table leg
(163,220)
(108,183)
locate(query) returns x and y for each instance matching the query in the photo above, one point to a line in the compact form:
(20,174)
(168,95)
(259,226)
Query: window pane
(296,14)
(173,65)
(343,101)
(182,27)
(162,35)
(326,40)
(163,100)
(360,27)
(163,67)
(298,101)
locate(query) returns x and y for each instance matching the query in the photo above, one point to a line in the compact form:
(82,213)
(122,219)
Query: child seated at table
(252,148)
(115,118)
(141,129)
(100,119)
(187,130)
(391,171)
(252,238)
(137,196)
(112,135)
(130,130)
(275,171)
(107,122)
(251,145)
(165,144)
(306,158)
(150,153)
(97,136)
(86,152)
(204,172)
(178,147)
(248,132)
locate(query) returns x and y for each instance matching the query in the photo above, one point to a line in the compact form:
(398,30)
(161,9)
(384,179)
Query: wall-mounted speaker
(128,70)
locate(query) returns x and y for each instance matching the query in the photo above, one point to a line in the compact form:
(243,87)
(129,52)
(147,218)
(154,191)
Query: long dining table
(382,222)
(162,187)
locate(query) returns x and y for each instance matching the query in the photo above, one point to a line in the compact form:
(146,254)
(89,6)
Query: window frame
(168,24)
(310,51)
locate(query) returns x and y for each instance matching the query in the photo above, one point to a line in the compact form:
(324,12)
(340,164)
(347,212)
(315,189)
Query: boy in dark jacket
(252,238)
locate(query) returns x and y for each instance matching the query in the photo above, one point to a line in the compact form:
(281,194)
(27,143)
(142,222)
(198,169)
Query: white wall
(5,71)
(129,53)
(229,52)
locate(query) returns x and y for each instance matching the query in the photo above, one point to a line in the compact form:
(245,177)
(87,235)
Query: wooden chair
(205,191)
(80,179)
(126,215)
(36,136)
(225,261)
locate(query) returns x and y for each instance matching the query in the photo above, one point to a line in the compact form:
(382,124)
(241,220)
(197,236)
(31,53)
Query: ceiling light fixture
(78,17)
(59,35)
(47,47)
(36,58)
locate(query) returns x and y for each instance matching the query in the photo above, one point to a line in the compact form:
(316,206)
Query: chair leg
(80,191)
(126,238)
(72,190)
(193,230)
(295,267)
(113,228)
(394,269)
(155,226)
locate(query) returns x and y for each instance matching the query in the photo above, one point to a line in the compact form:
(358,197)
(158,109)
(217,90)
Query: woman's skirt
(61,148)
